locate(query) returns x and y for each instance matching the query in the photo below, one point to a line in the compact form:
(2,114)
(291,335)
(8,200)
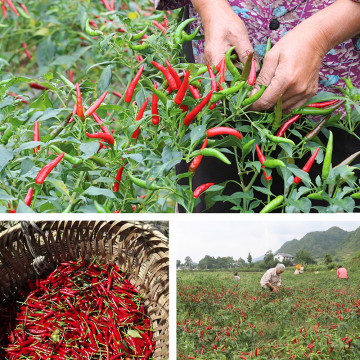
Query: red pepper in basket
(103,136)
(307,166)
(96,104)
(46,170)
(154,107)
(223,130)
(130,90)
(191,115)
(200,189)
(262,160)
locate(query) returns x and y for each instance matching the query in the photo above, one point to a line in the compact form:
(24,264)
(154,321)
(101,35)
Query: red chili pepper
(71,75)
(154,107)
(18,97)
(3,7)
(262,160)
(118,94)
(182,89)
(36,136)
(197,160)
(184,108)
(191,115)
(286,124)
(118,179)
(200,189)
(29,196)
(100,123)
(73,113)
(96,104)
(252,75)
(223,130)
(308,165)
(194,92)
(12,7)
(323,104)
(130,90)
(26,51)
(212,77)
(174,74)
(103,136)
(79,105)
(171,81)
(37,86)
(159,26)
(142,110)
(135,134)
(46,170)
(106,4)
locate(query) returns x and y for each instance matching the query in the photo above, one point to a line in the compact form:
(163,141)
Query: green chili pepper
(247,147)
(317,111)
(139,35)
(327,159)
(4,127)
(231,67)
(273,163)
(250,100)
(316,196)
(71,159)
(231,90)
(90,31)
(273,204)
(268,46)
(97,160)
(143,184)
(314,132)
(355,195)
(7,135)
(180,28)
(67,82)
(278,115)
(247,67)
(188,37)
(212,152)
(278,139)
(138,47)
(99,208)
(160,95)
(23,13)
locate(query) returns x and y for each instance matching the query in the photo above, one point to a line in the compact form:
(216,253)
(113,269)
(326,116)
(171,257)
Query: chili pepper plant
(125,108)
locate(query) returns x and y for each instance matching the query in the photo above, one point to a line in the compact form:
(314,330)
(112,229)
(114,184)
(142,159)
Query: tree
(269,261)
(303,256)
(241,262)
(328,259)
(249,259)
(208,262)
(188,261)
(178,263)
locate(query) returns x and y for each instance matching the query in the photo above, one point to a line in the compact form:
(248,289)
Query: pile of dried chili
(82,311)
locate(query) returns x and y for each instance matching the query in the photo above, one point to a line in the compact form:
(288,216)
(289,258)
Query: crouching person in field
(272,278)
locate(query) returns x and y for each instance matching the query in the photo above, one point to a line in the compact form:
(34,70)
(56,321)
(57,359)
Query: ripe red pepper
(252,76)
(174,74)
(213,83)
(106,4)
(194,92)
(184,108)
(100,123)
(182,90)
(191,115)
(35,85)
(12,7)
(220,67)
(154,107)
(79,105)
(159,26)
(29,196)
(103,136)
(3,7)
(142,110)
(96,104)
(262,160)
(171,81)
(323,104)
(308,165)
(135,134)
(16,96)
(118,94)
(200,189)
(26,51)
(71,75)
(46,170)
(286,124)
(130,90)
(223,130)
(36,136)
(197,160)
(118,179)
(73,113)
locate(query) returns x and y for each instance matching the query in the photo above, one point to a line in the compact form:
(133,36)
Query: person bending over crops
(314,45)
(341,273)
(272,278)
(236,276)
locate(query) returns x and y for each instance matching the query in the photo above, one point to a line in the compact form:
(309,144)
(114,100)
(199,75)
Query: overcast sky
(206,234)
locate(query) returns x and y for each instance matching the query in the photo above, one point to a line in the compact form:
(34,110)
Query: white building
(282,257)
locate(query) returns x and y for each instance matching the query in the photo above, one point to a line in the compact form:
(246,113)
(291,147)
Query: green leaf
(262,190)
(94,191)
(26,165)
(104,81)
(59,185)
(5,196)
(23,208)
(89,148)
(28,145)
(171,157)
(42,102)
(5,156)
(45,52)
(134,333)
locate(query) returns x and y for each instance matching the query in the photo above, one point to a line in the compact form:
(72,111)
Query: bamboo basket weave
(36,248)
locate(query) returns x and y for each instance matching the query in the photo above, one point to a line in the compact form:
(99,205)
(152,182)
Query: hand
(275,289)
(223,29)
(291,69)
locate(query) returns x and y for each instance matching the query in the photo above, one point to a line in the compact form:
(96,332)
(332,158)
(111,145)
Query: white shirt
(271,277)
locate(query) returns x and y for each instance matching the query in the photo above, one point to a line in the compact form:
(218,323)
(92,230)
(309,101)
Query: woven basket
(139,249)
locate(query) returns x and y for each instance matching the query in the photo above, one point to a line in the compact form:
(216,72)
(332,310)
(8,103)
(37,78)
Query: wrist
(208,9)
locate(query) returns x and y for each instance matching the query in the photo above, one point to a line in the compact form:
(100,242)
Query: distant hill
(334,241)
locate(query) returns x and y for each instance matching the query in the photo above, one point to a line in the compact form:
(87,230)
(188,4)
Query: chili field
(315,316)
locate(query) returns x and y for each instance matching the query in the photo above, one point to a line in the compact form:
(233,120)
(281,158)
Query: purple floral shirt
(342,61)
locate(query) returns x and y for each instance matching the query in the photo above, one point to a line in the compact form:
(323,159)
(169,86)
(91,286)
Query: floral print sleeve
(171,4)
